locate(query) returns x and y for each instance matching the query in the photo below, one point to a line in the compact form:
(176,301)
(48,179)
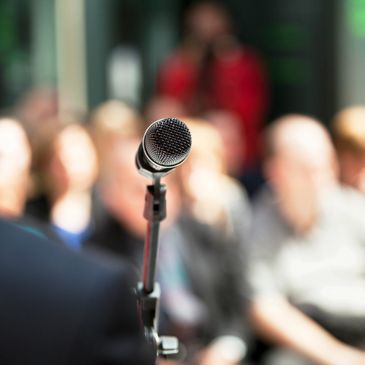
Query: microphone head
(165,145)
(167,142)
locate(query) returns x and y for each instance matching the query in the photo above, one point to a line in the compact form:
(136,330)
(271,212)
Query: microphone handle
(154,212)
(150,256)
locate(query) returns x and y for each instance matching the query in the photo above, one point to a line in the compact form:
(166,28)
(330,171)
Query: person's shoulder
(268,229)
(105,231)
(29,244)
(84,298)
(236,199)
(251,57)
(18,230)
(176,59)
(354,196)
(38,227)
(264,202)
(347,203)
(250,52)
(234,190)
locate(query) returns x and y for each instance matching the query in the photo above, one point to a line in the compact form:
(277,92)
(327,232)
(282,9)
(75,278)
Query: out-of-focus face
(296,185)
(15,153)
(201,175)
(205,162)
(301,169)
(163,107)
(38,106)
(207,22)
(352,170)
(349,135)
(231,132)
(74,164)
(123,189)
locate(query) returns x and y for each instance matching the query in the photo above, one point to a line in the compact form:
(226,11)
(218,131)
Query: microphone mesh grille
(167,142)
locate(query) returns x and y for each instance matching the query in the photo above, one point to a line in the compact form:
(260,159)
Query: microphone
(165,145)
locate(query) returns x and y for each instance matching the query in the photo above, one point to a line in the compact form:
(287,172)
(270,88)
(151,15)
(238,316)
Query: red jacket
(235,82)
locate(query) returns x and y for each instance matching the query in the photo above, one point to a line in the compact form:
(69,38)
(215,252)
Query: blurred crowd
(262,253)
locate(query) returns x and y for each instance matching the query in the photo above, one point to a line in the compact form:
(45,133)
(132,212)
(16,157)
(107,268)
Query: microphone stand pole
(149,290)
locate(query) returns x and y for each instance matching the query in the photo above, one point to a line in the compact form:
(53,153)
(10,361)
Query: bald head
(15,159)
(301,136)
(300,166)
(15,154)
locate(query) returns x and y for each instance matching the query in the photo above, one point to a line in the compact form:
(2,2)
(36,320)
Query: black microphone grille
(167,142)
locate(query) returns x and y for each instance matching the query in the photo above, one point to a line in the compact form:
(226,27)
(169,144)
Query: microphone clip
(164,346)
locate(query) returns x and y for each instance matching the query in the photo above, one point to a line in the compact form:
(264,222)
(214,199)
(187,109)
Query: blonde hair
(349,130)
(114,120)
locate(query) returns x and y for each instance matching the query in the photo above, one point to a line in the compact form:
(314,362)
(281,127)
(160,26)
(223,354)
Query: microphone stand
(148,291)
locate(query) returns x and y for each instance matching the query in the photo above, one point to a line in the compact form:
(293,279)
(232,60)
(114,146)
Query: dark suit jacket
(60,307)
(112,236)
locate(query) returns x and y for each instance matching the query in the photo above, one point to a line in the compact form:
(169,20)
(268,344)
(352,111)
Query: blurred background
(81,79)
(313,50)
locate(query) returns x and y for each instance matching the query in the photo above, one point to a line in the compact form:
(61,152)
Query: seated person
(68,167)
(15,179)
(308,250)
(62,307)
(120,190)
(202,263)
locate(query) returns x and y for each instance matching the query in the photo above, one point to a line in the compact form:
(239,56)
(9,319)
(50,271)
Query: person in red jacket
(212,70)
